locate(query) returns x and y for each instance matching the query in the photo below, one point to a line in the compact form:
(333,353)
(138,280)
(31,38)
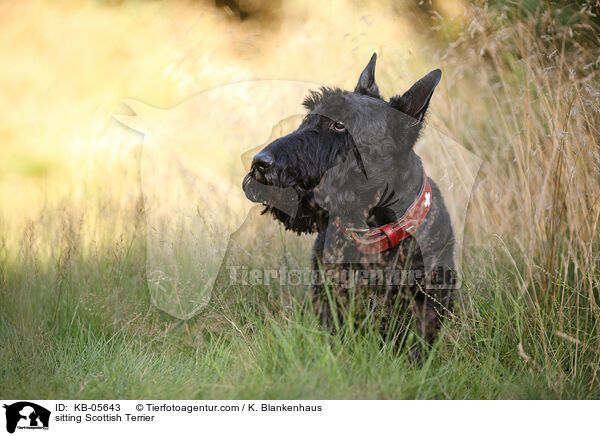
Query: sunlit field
(520,92)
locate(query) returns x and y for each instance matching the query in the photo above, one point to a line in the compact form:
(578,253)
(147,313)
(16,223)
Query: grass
(101,337)
(520,90)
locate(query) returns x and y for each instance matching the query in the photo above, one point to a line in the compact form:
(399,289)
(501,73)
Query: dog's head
(344,135)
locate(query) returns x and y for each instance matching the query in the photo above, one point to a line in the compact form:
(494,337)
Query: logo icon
(26,415)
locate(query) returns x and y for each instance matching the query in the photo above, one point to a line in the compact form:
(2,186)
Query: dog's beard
(291,205)
(284,199)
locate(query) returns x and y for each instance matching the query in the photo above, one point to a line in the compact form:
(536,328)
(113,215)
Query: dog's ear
(366,83)
(415,101)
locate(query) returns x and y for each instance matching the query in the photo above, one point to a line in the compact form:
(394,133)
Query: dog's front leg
(318,292)
(432,301)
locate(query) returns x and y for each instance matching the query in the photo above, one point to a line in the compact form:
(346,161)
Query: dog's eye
(338,126)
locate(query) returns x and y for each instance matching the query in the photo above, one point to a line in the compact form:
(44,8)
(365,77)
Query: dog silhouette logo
(26,415)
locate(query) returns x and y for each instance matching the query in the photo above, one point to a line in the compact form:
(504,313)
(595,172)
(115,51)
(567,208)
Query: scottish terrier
(384,246)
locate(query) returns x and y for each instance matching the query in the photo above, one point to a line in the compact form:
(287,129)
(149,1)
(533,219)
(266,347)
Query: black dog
(349,173)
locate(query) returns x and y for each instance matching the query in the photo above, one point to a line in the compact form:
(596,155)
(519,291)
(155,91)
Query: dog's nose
(262,161)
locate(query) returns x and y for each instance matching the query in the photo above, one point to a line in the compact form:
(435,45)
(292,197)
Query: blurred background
(520,90)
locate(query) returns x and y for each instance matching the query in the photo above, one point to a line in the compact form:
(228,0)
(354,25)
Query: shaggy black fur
(352,160)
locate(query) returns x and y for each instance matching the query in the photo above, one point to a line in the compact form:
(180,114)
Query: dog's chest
(345,267)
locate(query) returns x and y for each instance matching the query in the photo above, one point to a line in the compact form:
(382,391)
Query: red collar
(388,236)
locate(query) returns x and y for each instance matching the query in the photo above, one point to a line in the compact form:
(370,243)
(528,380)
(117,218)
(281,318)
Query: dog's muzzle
(284,199)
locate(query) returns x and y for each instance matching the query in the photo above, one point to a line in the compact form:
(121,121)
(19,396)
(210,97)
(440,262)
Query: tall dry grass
(525,98)
(539,191)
